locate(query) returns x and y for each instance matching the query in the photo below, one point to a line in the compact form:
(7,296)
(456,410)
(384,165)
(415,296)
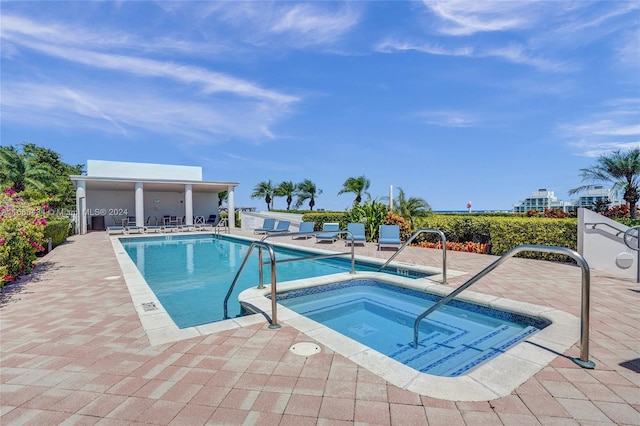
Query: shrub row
(57,229)
(505,233)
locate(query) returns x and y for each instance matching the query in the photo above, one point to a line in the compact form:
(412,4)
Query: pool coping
(493,379)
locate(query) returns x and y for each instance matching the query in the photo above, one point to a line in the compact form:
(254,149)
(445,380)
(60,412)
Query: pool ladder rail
(443,238)
(262,244)
(583,361)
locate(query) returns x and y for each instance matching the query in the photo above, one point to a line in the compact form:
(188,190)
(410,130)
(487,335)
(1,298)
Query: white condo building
(544,199)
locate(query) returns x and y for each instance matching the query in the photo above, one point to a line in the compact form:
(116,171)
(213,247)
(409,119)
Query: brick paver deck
(73,351)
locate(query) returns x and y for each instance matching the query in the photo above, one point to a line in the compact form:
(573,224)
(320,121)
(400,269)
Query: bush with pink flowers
(22,226)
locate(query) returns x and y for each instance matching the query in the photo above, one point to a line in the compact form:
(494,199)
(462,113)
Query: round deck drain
(305,349)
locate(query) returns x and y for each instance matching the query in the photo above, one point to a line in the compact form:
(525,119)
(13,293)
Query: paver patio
(73,351)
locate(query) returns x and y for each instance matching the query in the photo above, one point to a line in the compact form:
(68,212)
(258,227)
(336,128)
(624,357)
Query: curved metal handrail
(272,260)
(583,361)
(628,234)
(595,224)
(413,237)
(317,256)
(272,257)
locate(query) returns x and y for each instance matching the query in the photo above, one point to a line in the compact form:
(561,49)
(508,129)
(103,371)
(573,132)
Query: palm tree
(286,189)
(307,190)
(356,185)
(20,172)
(622,169)
(222,196)
(264,190)
(411,207)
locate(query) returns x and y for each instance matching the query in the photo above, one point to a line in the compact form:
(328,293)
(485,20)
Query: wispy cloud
(221,104)
(277,25)
(462,18)
(104,109)
(513,53)
(446,118)
(615,127)
(390,45)
(210,81)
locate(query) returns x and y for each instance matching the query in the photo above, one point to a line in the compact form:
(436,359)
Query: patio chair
(282,226)
(357,229)
(304,227)
(130,226)
(331,233)
(389,236)
(268,225)
(152,225)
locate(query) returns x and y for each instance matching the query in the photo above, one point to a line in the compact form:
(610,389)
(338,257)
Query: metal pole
(260,271)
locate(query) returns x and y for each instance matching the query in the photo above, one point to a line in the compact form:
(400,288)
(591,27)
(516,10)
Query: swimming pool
(190,274)
(452,341)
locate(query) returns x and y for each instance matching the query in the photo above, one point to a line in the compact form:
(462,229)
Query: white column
(188,205)
(391,197)
(139,204)
(231,207)
(81,209)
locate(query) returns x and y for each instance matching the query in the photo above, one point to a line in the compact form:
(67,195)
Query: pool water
(191,274)
(452,340)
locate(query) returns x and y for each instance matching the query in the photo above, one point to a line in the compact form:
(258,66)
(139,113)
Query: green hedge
(58,230)
(325,217)
(505,233)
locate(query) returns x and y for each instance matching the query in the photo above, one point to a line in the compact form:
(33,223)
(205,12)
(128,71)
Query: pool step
(443,355)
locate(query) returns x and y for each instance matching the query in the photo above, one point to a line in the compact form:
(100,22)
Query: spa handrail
(316,256)
(410,240)
(583,361)
(594,224)
(272,260)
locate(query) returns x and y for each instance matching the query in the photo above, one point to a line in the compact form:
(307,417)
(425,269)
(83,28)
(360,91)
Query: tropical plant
(22,226)
(356,185)
(307,190)
(222,197)
(20,172)
(286,189)
(372,213)
(410,208)
(622,169)
(264,190)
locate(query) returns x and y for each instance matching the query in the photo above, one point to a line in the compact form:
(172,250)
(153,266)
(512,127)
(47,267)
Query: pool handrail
(413,237)
(272,260)
(272,257)
(583,361)
(315,256)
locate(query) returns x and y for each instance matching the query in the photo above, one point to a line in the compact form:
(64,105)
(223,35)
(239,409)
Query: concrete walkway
(73,352)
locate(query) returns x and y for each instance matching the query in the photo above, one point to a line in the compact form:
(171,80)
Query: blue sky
(450,101)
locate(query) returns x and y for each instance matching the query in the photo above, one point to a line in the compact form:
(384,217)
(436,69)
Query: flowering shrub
(469,246)
(21,235)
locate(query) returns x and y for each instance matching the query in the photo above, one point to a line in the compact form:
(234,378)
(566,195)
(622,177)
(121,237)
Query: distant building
(598,193)
(540,200)
(544,199)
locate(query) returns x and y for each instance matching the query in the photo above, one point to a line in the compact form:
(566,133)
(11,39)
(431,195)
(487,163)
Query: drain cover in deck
(305,348)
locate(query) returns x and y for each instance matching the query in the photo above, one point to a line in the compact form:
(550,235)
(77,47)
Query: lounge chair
(389,236)
(331,233)
(130,226)
(267,225)
(357,229)
(304,227)
(152,225)
(282,226)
